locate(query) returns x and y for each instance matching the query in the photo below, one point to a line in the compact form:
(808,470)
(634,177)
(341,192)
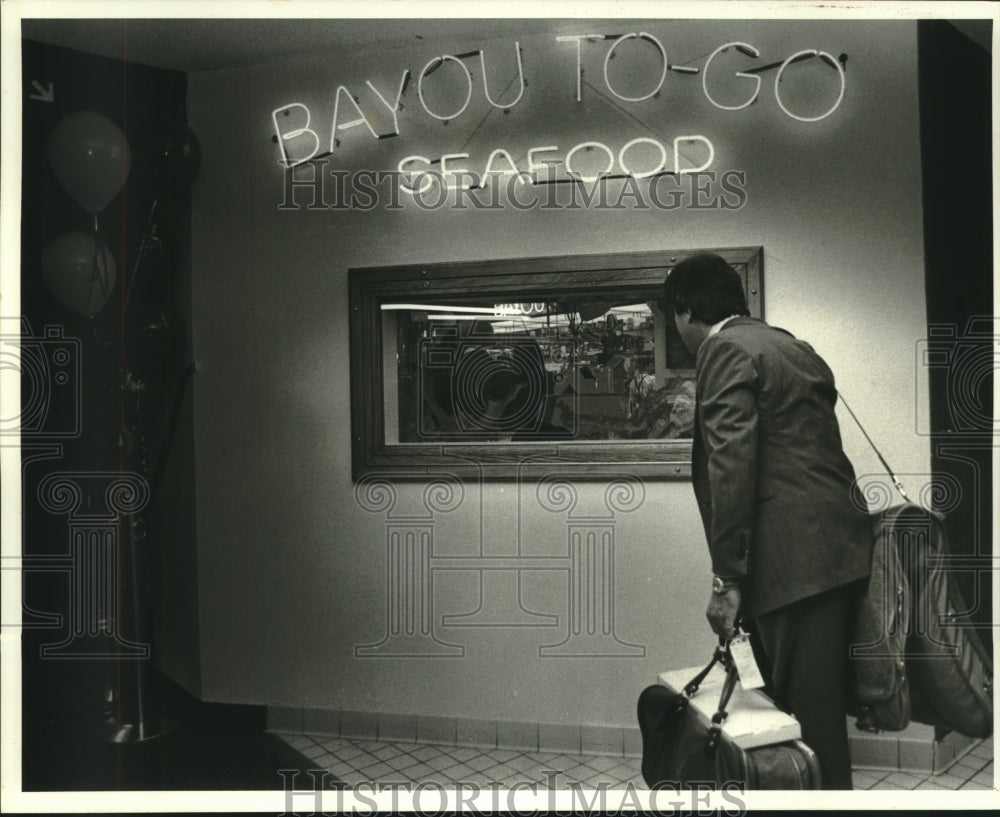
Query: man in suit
(789,543)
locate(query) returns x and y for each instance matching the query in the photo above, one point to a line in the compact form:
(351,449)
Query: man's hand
(722,611)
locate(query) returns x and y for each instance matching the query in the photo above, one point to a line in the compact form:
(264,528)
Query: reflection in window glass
(556,370)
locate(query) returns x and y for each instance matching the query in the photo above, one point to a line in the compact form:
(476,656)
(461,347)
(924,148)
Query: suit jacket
(770,475)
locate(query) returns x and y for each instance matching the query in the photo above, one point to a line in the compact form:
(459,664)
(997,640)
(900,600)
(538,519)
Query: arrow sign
(44,94)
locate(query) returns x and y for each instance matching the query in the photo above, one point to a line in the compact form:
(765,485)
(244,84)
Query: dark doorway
(960,355)
(103,361)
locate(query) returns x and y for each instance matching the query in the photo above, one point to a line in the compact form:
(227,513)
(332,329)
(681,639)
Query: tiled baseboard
(522,736)
(913,749)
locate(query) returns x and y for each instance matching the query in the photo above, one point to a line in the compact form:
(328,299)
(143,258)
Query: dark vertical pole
(956,163)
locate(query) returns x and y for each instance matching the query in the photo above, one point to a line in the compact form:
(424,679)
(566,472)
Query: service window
(509,363)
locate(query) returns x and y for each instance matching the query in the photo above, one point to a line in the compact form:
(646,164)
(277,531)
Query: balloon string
(93,263)
(100,255)
(150,230)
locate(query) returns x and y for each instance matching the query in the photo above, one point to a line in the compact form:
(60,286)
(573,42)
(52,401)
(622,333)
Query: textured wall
(292,571)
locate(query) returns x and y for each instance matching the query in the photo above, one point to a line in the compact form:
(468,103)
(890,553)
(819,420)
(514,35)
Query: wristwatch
(721,586)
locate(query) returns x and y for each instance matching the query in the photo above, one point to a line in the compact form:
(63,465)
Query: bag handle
(728,686)
(885,465)
(723,656)
(720,716)
(691,687)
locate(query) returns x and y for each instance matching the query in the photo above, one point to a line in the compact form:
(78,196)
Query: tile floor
(354,760)
(972,771)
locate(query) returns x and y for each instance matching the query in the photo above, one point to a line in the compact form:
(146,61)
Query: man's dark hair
(706,285)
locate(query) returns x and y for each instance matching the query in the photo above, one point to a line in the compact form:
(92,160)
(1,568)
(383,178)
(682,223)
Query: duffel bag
(683,745)
(949,669)
(880,694)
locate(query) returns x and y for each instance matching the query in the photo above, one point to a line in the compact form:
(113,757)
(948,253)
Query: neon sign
(468,79)
(525,309)
(809,53)
(419,169)
(744,48)
(611,52)
(299,141)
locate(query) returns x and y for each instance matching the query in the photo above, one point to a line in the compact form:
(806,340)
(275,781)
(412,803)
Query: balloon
(79,272)
(90,157)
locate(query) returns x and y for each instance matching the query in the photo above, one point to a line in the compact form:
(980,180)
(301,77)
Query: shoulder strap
(885,465)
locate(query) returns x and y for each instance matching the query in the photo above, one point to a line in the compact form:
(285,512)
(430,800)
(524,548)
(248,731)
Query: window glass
(564,369)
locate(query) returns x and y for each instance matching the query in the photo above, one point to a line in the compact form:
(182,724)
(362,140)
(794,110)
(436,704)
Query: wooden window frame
(523,279)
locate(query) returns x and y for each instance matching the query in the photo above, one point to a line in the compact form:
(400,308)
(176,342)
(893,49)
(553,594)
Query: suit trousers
(802,651)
